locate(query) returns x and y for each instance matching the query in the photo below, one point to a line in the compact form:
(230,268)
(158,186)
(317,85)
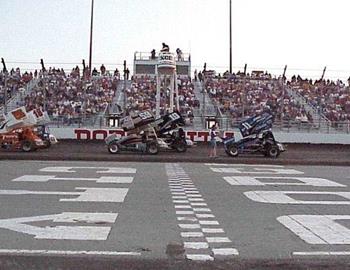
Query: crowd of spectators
(142,96)
(239,95)
(69,96)
(15,82)
(330,98)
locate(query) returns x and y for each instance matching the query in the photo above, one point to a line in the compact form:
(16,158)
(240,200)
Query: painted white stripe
(199,257)
(20,225)
(199,204)
(178,193)
(243,165)
(256,171)
(283,197)
(192,234)
(174,190)
(184,212)
(183,206)
(85,195)
(218,240)
(104,169)
(67,252)
(46,178)
(225,251)
(205,216)
(189,226)
(194,196)
(300,230)
(208,222)
(201,210)
(212,230)
(298,181)
(196,199)
(186,219)
(180,201)
(179,197)
(322,253)
(196,245)
(191,191)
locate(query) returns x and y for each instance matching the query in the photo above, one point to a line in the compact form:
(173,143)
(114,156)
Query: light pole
(5,84)
(91,27)
(230,36)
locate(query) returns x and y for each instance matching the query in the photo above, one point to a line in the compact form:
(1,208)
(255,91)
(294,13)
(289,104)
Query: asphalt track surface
(296,154)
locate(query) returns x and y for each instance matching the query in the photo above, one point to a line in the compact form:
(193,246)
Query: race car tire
(152,148)
(273,151)
(232,150)
(113,148)
(47,143)
(181,147)
(27,146)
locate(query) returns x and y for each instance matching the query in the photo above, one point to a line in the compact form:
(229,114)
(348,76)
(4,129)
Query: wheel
(47,143)
(113,148)
(152,148)
(232,150)
(181,147)
(273,151)
(27,146)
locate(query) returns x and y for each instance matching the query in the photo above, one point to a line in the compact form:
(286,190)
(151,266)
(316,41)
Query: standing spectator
(212,143)
(103,69)
(195,75)
(127,72)
(179,54)
(94,72)
(153,54)
(200,76)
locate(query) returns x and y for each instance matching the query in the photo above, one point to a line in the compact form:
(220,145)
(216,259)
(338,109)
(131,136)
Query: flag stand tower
(166,78)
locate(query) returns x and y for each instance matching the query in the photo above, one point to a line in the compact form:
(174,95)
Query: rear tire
(113,148)
(181,147)
(27,146)
(152,148)
(232,150)
(273,151)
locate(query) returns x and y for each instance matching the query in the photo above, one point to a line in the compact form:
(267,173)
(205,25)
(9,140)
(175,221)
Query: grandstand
(73,99)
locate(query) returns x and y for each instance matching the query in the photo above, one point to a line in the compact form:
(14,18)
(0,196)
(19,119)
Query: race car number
(145,115)
(174,116)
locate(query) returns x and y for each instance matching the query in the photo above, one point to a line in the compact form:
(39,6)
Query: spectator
(153,54)
(127,72)
(103,70)
(165,48)
(179,54)
(212,142)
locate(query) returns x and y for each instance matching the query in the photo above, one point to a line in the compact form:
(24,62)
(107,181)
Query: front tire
(152,148)
(27,146)
(113,148)
(181,147)
(232,150)
(273,151)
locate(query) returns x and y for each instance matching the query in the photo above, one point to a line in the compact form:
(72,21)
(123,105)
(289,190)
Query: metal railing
(185,57)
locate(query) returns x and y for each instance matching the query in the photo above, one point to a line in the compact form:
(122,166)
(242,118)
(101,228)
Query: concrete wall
(200,136)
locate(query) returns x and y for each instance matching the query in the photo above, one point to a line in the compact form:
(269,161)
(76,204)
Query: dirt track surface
(296,154)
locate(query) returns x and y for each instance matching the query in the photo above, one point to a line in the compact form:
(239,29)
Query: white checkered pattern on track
(203,238)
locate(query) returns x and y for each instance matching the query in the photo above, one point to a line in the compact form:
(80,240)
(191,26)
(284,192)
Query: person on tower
(165,48)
